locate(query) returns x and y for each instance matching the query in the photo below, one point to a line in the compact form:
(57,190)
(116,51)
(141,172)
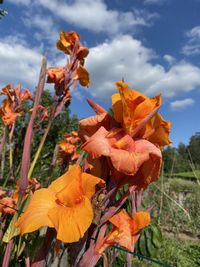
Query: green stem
(40,147)
(11,151)
(2,163)
(10,156)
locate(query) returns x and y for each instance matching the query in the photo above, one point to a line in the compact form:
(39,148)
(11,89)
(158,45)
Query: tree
(2,12)
(194,149)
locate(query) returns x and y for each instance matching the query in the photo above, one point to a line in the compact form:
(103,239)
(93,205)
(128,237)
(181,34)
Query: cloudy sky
(153,44)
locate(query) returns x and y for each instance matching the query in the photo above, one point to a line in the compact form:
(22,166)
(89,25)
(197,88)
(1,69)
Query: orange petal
(67,41)
(82,52)
(72,223)
(98,144)
(160,136)
(36,214)
(121,219)
(71,194)
(55,75)
(90,125)
(150,170)
(82,75)
(127,162)
(117,107)
(122,232)
(64,180)
(142,218)
(89,182)
(134,106)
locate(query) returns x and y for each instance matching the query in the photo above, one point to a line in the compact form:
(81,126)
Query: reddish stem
(6,258)
(40,259)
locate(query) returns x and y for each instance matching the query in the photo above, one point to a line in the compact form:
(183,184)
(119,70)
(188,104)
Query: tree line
(183,157)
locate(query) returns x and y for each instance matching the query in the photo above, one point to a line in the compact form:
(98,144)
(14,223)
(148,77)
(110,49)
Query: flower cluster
(11,106)
(131,141)
(121,155)
(64,77)
(68,147)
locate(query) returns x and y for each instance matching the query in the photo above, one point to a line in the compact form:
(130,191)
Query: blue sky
(153,44)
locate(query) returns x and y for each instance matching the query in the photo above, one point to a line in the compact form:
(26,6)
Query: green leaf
(141,246)
(156,236)
(151,249)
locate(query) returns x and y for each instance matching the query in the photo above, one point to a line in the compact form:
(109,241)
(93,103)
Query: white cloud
(45,26)
(121,57)
(169,59)
(42,22)
(180,104)
(126,57)
(94,15)
(192,47)
(21,63)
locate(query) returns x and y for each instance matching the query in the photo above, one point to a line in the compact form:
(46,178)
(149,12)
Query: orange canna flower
(70,42)
(55,75)
(65,206)
(16,95)
(72,137)
(133,162)
(82,75)
(131,108)
(66,147)
(7,113)
(125,230)
(11,105)
(7,205)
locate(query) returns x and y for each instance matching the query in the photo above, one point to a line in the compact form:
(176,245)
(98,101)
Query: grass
(185,175)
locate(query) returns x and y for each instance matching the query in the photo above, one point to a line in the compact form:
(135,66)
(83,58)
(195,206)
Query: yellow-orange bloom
(10,107)
(70,42)
(125,230)
(82,75)
(65,205)
(131,108)
(7,113)
(55,75)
